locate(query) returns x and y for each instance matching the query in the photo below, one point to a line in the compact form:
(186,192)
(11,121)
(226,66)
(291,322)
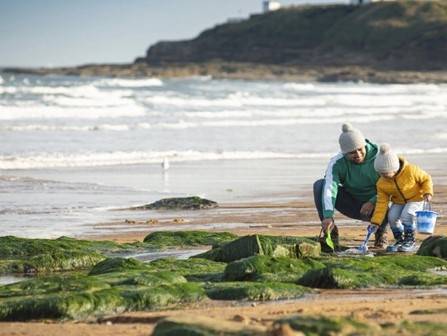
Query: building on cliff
(268,6)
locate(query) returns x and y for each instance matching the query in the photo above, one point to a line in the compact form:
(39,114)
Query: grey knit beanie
(386,161)
(350,139)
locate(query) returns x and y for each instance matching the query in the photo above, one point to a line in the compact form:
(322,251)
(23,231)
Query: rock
(320,325)
(247,246)
(161,239)
(435,246)
(255,291)
(204,326)
(178,203)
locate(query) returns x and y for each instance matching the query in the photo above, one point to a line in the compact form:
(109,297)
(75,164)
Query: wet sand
(276,218)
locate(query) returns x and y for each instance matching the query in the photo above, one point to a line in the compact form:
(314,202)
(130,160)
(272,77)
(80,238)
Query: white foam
(130,83)
(104,100)
(370,89)
(59,160)
(55,112)
(86,91)
(93,159)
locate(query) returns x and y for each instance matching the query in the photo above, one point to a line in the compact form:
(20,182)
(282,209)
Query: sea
(75,152)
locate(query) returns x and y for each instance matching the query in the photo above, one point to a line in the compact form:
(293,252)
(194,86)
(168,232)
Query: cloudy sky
(72,32)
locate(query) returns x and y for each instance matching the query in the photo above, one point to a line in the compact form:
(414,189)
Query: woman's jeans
(347,204)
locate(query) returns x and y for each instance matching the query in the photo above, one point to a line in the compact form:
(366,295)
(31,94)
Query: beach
(78,153)
(287,211)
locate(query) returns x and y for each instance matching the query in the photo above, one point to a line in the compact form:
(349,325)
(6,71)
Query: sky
(73,32)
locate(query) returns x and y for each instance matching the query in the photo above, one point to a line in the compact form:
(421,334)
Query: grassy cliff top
(394,35)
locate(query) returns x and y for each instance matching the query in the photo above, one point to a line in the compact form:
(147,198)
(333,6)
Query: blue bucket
(426,221)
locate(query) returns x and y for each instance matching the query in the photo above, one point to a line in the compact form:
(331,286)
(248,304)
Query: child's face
(388,175)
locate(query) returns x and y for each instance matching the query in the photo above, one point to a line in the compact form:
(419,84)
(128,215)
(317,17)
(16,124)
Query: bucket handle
(427,205)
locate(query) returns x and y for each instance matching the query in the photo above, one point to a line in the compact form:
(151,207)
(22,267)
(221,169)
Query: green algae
(22,255)
(333,272)
(422,328)
(29,256)
(55,262)
(266,268)
(324,326)
(295,325)
(203,326)
(385,271)
(162,239)
(256,291)
(435,246)
(80,296)
(274,246)
(194,269)
(117,264)
(16,248)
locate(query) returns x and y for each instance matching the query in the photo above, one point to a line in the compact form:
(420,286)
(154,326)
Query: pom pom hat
(350,139)
(386,160)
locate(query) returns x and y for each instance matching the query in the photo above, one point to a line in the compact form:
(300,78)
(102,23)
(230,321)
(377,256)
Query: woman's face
(357,155)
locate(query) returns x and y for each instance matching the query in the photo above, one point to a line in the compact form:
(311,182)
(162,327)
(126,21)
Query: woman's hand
(327,224)
(367,209)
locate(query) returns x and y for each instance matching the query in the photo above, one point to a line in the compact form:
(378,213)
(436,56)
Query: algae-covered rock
(55,262)
(22,255)
(81,296)
(324,326)
(247,246)
(194,325)
(384,271)
(179,203)
(334,272)
(194,269)
(117,265)
(161,239)
(258,291)
(266,268)
(150,298)
(16,248)
(435,246)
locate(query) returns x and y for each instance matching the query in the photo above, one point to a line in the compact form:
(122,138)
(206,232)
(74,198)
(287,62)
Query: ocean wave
(130,83)
(370,89)
(104,101)
(60,160)
(55,112)
(79,91)
(326,111)
(69,160)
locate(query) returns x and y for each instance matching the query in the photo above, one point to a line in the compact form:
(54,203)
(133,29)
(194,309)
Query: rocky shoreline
(244,71)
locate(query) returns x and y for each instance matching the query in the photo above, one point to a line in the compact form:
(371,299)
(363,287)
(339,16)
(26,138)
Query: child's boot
(399,237)
(409,244)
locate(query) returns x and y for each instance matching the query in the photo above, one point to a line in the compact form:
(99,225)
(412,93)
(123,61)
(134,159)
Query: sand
(277,218)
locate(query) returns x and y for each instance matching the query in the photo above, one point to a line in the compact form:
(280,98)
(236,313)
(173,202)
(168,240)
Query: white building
(268,6)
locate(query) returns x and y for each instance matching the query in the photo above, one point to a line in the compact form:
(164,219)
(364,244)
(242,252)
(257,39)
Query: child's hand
(427,197)
(372,228)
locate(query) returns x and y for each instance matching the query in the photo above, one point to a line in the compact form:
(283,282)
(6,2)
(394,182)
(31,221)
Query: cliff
(410,35)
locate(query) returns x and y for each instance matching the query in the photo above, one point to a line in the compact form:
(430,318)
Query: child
(406,186)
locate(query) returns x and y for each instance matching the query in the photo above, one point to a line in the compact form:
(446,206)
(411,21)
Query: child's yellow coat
(409,185)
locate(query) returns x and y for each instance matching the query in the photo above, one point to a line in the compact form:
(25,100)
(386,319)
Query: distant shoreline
(244,71)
